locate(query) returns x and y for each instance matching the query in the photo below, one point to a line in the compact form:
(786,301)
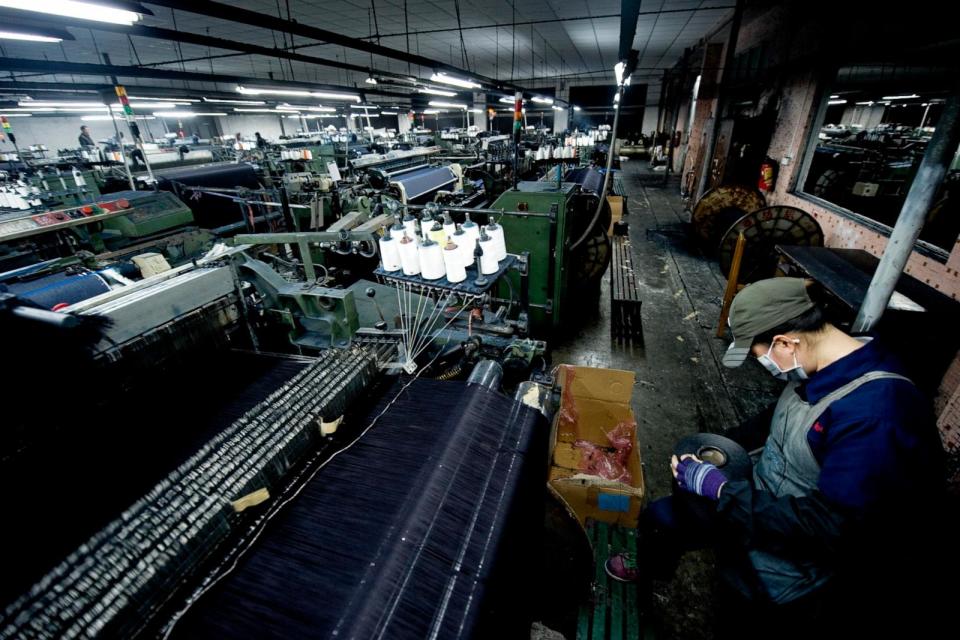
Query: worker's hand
(696,476)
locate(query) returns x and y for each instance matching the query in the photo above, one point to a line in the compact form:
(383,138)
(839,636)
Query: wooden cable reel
(763,230)
(721,207)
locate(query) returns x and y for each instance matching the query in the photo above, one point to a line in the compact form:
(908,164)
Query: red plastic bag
(603,462)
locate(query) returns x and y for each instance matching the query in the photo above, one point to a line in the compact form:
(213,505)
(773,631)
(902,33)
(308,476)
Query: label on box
(613,502)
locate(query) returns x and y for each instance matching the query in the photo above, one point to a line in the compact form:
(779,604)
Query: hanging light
(371,80)
(29,37)
(542,100)
(448,105)
(75,9)
(457,82)
(437,92)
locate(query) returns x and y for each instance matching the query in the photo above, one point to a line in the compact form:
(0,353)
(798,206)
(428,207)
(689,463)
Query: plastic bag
(603,462)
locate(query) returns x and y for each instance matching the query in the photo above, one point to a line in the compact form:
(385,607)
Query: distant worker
(261,143)
(85,139)
(196,138)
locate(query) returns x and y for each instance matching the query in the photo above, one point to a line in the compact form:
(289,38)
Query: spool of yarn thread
(390,253)
(409,256)
(472,229)
(449,228)
(410,225)
(397,230)
(488,259)
(465,245)
(426,223)
(453,262)
(495,231)
(437,234)
(431,261)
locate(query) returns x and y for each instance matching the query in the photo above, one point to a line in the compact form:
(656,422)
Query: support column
(479,120)
(561,119)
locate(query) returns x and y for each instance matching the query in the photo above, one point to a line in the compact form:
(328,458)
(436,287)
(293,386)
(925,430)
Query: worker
(261,143)
(830,525)
(85,139)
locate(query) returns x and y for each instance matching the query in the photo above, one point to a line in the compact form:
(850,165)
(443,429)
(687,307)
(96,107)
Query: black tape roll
(723,452)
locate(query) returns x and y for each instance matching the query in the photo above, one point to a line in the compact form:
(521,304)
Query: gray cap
(761,306)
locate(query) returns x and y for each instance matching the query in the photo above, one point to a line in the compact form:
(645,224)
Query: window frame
(824,89)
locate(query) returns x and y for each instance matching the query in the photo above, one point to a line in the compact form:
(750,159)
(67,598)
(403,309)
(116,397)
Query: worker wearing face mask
(849,473)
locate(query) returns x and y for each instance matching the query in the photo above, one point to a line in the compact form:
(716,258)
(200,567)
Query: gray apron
(787,467)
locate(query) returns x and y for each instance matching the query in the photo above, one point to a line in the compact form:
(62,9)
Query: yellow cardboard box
(592,403)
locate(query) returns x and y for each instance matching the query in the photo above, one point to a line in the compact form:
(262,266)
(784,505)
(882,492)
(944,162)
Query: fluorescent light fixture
(330,95)
(371,80)
(438,92)
(50,103)
(184,100)
(209,113)
(618,69)
(448,105)
(476,110)
(905,97)
(75,9)
(506,100)
(841,101)
(868,103)
(430,111)
(834,96)
(317,108)
(174,114)
(542,100)
(30,37)
(576,108)
(556,108)
(93,118)
(364,106)
(17,115)
(457,82)
(219,101)
(389,113)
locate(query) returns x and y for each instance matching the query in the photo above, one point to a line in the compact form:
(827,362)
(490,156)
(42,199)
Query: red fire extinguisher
(768,175)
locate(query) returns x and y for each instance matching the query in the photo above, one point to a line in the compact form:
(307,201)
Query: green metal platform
(613,613)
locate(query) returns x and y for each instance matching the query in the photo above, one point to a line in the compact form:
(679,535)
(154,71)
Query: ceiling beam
(160,33)
(86,69)
(629,14)
(229,13)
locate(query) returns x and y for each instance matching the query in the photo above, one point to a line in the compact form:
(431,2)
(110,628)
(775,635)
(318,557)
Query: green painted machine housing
(153,212)
(545,238)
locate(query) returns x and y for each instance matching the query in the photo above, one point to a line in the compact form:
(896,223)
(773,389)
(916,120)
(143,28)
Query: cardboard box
(592,403)
(616,211)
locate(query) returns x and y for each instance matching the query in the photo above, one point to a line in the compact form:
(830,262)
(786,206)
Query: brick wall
(796,34)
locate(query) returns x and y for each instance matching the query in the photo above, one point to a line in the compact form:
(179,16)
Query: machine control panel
(23,226)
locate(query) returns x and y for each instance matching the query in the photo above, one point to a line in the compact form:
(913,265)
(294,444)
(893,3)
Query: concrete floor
(681,387)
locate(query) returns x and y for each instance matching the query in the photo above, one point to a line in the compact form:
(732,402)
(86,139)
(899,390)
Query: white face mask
(793,374)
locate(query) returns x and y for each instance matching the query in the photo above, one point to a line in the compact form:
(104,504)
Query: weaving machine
(429,496)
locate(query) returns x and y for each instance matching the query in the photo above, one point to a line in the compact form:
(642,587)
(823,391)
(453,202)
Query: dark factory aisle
(681,386)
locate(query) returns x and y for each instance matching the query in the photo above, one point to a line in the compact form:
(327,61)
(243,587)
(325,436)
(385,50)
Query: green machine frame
(534,220)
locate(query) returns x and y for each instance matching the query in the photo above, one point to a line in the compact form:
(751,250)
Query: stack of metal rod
(112,585)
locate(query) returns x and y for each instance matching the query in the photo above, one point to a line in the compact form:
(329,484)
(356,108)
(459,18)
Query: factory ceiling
(501,44)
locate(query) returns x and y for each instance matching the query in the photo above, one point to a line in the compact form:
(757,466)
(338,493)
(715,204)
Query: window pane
(878,122)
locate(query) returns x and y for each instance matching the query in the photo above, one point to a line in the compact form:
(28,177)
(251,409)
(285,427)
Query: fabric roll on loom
(60,288)
(209,211)
(428,524)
